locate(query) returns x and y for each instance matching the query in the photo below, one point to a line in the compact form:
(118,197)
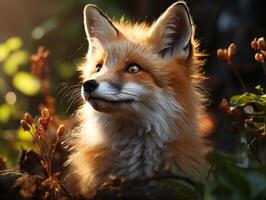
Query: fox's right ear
(99,28)
(172,32)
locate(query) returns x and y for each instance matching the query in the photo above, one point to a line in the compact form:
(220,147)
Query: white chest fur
(138,156)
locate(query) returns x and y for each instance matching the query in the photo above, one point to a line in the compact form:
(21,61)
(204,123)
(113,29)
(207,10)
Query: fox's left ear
(172,32)
(99,28)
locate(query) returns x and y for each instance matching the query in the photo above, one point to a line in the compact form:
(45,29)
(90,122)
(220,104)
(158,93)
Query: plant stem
(209,172)
(52,156)
(255,154)
(237,74)
(65,190)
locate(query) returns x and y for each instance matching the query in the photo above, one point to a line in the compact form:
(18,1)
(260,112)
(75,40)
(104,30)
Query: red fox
(142,104)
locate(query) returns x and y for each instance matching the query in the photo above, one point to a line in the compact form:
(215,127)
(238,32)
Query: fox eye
(98,67)
(133,68)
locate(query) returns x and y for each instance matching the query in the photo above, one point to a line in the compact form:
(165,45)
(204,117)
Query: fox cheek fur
(142,103)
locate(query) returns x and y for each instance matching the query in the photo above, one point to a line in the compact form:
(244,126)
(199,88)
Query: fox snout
(107,96)
(90,85)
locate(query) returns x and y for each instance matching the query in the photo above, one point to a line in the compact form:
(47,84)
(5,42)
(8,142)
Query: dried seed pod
(254,44)
(39,66)
(40,131)
(44,122)
(24,125)
(45,112)
(28,118)
(232,49)
(259,57)
(220,53)
(41,121)
(261,44)
(60,131)
(225,54)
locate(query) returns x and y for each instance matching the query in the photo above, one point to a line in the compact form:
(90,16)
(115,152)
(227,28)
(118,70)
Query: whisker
(73,101)
(69,93)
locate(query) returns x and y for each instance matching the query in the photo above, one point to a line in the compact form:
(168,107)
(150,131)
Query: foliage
(227,181)
(16,83)
(242,176)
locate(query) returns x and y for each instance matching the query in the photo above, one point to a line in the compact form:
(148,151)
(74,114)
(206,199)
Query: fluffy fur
(157,129)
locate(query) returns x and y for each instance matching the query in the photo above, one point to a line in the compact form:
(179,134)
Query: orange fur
(125,139)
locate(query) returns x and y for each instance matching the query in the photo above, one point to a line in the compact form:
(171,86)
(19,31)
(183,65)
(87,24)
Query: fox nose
(90,85)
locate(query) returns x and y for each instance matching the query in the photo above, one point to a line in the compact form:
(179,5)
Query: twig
(254,152)
(236,72)
(65,191)
(209,172)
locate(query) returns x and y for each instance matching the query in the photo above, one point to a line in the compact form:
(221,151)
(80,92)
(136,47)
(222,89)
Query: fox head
(136,69)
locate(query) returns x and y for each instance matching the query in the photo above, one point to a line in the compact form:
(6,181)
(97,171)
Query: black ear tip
(91,7)
(182,9)
(181,3)
(181,6)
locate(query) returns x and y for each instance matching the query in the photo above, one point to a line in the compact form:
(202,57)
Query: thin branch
(255,153)
(209,172)
(237,74)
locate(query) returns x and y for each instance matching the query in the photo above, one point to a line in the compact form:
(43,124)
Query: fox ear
(99,28)
(172,32)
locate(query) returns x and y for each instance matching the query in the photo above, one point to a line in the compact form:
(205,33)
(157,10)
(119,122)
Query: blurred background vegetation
(58,26)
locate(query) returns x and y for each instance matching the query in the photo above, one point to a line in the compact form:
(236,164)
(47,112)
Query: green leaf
(246,98)
(4,52)
(5,113)
(26,83)
(15,60)
(24,135)
(229,180)
(14,43)
(257,182)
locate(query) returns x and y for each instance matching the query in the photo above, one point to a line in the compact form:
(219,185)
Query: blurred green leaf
(15,60)
(14,43)
(6,151)
(257,182)
(4,52)
(232,182)
(26,83)
(5,113)
(24,135)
